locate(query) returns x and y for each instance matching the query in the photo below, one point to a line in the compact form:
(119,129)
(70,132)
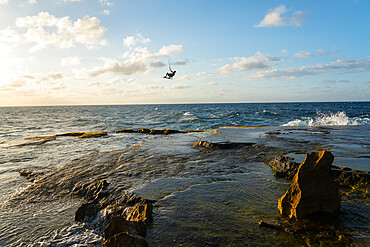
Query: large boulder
(124,239)
(129,229)
(118,224)
(312,192)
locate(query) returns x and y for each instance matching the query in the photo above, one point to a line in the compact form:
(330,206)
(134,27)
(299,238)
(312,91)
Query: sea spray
(324,119)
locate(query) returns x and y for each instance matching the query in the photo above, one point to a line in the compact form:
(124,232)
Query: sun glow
(5,72)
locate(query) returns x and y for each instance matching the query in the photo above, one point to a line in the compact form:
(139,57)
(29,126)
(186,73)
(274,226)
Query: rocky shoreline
(103,181)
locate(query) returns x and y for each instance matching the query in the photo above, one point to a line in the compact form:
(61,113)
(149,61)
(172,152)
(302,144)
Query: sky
(99,52)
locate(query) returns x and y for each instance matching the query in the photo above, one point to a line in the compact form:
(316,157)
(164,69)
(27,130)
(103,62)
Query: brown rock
(94,134)
(125,240)
(140,212)
(312,191)
(118,224)
(31,175)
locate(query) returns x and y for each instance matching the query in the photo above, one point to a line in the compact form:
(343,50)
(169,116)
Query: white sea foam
(322,119)
(188,116)
(75,235)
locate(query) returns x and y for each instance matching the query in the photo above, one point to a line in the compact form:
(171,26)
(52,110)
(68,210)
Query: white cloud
(157,64)
(274,18)
(135,62)
(303,54)
(212,83)
(106,11)
(71,61)
(258,61)
(32,2)
(341,65)
(322,52)
(169,50)
(10,36)
(180,86)
(66,1)
(128,67)
(297,18)
(44,30)
(284,52)
(226,69)
(181,62)
(151,87)
(130,81)
(133,40)
(184,78)
(4,1)
(333,81)
(105,2)
(36,80)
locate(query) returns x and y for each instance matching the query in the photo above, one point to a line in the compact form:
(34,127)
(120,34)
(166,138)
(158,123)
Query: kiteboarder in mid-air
(170,75)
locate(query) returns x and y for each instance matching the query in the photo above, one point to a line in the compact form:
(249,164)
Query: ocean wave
(188,116)
(328,119)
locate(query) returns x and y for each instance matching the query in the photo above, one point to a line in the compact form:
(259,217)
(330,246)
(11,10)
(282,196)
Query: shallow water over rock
(205,197)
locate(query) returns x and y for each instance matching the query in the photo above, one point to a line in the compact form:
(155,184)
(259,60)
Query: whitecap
(326,119)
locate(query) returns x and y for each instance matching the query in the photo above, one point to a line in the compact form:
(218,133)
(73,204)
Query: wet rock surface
(104,182)
(129,230)
(204,145)
(284,166)
(94,134)
(31,175)
(312,191)
(157,131)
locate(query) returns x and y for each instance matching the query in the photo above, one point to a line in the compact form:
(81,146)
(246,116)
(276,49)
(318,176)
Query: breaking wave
(328,119)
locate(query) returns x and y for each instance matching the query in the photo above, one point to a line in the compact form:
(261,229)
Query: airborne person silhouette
(171,74)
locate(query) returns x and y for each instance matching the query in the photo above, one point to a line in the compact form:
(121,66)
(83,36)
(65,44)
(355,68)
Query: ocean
(42,223)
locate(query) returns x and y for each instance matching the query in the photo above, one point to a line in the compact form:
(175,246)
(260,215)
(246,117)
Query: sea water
(349,120)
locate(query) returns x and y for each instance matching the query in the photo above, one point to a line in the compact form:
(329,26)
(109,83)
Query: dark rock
(125,240)
(274,226)
(156,132)
(312,191)
(350,178)
(92,194)
(71,134)
(284,166)
(118,224)
(89,209)
(126,131)
(220,145)
(31,175)
(172,131)
(144,130)
(95,191)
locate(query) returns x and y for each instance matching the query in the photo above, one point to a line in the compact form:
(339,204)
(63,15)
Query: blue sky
(62,52)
